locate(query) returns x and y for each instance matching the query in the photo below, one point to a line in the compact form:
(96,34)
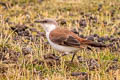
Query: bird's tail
(96,44)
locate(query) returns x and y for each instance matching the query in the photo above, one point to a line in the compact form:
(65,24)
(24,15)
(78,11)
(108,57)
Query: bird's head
(48,24)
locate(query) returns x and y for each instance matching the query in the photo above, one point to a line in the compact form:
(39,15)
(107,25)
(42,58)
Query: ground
(25,53)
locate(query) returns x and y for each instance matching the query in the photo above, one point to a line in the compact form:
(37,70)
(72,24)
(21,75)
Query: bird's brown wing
(65,37)
(66,41)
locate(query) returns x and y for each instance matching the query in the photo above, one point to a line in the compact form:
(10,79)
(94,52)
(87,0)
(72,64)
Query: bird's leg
(66,53)
(73,56)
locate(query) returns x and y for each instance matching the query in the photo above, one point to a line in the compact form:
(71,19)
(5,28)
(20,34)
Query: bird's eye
(45,21)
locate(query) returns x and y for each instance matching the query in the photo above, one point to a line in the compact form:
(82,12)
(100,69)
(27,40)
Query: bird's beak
(38,21)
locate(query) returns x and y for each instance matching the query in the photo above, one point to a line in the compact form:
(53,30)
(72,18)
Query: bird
(64,40)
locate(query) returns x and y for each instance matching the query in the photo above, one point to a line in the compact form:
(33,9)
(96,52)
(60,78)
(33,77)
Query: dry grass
(21,56)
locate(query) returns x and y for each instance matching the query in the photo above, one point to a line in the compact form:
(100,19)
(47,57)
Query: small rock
(81,59)
(93,64)
(51,56)
(96,35)
(113,67)
(52,59)
(113,39)
(106,38)
(101,39)
(26,50)
(38,62)
(115,59)
(21,30)
(40,34)
(81,75)
(83,23)
(90,38)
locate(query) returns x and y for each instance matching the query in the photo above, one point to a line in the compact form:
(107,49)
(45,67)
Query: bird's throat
(49,27)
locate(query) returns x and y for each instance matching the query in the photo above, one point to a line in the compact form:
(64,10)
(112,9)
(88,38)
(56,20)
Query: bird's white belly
(61,48)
